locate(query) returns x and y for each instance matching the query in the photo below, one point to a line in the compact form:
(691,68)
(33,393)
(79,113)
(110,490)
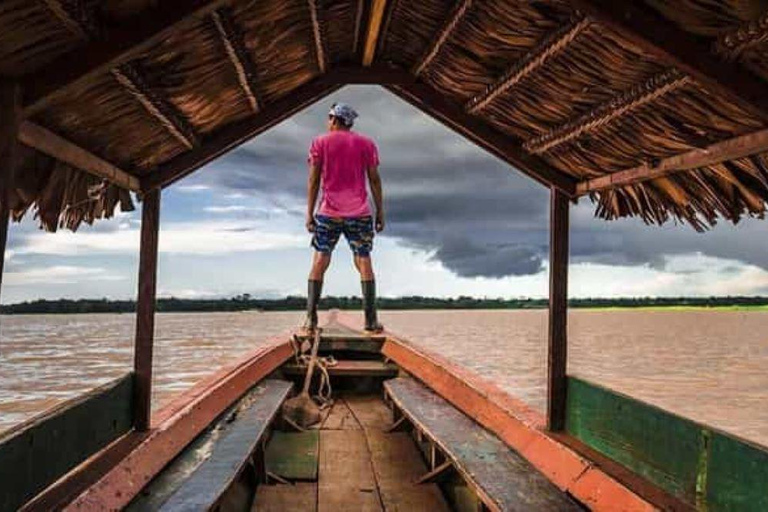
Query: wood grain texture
(502,478)
(347,485)
(232,450)
(301,496)
(702,467)
(397,464)
(145,309)
(35,454)
(557,354)
(293,455)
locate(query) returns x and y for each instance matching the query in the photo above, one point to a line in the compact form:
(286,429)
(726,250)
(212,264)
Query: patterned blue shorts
(357,230)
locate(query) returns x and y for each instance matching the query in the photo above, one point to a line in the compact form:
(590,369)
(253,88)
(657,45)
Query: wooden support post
(145,309)
(10,114)
(557,356)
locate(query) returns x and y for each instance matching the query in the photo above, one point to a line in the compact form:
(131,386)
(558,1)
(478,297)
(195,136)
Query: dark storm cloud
(444,195)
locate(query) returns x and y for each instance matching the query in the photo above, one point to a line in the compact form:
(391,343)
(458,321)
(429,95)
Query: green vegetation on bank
(246,302)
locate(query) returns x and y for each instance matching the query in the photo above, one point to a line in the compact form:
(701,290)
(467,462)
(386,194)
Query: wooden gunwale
(177,424)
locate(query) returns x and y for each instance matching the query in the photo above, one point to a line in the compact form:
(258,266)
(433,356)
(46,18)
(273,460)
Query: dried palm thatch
(561,88)
(61,196)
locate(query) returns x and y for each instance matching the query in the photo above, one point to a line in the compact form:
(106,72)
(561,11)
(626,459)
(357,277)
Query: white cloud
(192,188)
(59,274)
(201,238)
(233,208)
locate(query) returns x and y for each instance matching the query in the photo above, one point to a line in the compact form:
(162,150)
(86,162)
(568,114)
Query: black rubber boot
(314,289)
(369,306)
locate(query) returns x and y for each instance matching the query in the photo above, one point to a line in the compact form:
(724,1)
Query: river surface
(710,366)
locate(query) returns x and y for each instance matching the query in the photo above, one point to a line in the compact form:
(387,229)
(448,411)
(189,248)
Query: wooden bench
(502,479)
(349,368)
(199,476)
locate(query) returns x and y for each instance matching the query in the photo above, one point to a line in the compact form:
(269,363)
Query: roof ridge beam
(502,145)
(55,146)
(375,24)
(120,44)
(659,36)
(730,149)
(317,35)
(156,105)
(634,98)
(232,39)
(442,36)
(535,58)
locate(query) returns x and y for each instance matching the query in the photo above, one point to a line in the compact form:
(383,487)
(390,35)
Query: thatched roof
(655,109)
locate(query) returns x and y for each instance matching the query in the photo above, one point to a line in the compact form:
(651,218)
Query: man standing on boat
(339,162)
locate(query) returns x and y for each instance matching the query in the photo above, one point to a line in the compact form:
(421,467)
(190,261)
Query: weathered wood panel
(293,455)
(738,476)
(37,453)
(179,423)
(145,309)
(301,496)
(557,352)
(349,485)
(232,450)
(703,468)
(502,478)
(397,465)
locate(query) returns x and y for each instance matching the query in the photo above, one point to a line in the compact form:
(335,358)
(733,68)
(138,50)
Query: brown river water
(710,366)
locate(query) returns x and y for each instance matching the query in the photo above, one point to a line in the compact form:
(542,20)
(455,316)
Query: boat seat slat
(232,450)
(503,479)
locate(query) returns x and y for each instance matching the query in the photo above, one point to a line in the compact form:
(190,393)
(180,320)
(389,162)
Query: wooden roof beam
(119,45)
(503,146)
(636,97)
(551,46)
(157,106)
(731,149)
(658,36)
(375,23)
(231,136)
(53,145)
(317,35)
(232,39)
(442,36)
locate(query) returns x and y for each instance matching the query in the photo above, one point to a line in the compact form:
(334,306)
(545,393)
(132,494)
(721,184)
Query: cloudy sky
(460,222)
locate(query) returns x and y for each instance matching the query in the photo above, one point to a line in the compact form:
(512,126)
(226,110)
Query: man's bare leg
(368,283)
(320,263)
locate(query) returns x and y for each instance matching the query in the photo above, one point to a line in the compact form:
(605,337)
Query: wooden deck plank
(349,368)
(397,464)
(503,479)
(233,449)
(340,417)
(293,455)
(284,498)
(346,480)
(370,411)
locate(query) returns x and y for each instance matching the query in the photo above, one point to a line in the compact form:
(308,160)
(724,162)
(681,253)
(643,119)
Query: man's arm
(313,187)
(378,196)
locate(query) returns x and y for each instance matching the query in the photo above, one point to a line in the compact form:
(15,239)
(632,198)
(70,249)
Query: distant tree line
(246,302)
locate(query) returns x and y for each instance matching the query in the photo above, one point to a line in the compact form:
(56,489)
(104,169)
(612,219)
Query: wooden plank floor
(361,466)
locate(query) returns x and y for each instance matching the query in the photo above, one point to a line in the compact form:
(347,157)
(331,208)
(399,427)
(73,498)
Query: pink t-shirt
(343,157)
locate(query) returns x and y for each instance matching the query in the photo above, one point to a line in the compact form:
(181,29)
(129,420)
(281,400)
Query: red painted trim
(519,426)
(177,424)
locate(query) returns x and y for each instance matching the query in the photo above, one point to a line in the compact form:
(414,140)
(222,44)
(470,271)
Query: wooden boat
(651,108)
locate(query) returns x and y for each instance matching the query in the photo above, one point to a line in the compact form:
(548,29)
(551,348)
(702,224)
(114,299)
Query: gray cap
(344,112)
